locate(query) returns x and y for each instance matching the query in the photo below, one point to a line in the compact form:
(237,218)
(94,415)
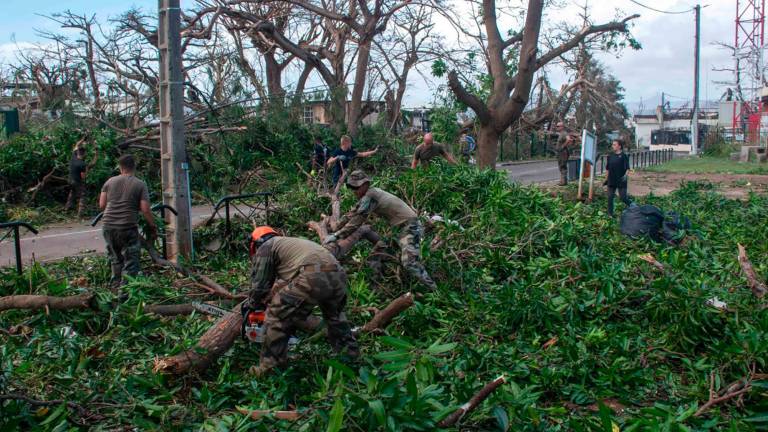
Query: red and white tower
(749,70)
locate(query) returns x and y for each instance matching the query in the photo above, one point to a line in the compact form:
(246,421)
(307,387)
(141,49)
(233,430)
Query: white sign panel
(588,147)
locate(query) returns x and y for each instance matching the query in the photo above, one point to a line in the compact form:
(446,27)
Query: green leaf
(55,414)
(436,349)
(389,356)
(377,406)
(396,343)
(336,417)
(758,418)
(501,418)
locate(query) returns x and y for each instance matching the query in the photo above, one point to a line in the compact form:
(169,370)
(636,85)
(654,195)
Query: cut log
(757,286)
(382,319)
(170,309)
(280,415)
(476,400)
(81,301)
(212,344)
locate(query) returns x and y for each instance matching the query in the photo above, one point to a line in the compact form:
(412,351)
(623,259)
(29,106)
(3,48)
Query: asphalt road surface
(73,239)
(531,172)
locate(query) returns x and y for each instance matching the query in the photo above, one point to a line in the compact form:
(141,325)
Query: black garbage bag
(642,221)
(674,228)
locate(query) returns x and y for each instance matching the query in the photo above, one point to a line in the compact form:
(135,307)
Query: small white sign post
(588,154)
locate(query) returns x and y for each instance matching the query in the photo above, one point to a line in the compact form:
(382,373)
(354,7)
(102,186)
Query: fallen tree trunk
(476,400)
(219,338)
(211,345)
(280,415)
(170,309)
(384,317)
(81,301)
(757,286)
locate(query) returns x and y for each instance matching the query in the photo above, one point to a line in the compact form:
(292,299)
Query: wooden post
(173,151)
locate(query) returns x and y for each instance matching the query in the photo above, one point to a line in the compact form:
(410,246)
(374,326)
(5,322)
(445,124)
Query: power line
(661,11)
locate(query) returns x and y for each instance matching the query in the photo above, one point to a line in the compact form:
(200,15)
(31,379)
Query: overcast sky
(665,64)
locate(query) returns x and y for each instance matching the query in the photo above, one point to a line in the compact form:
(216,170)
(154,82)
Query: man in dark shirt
(77,169)
(344,155)
(122,198)
(319,155)
(428,150)
(617,167)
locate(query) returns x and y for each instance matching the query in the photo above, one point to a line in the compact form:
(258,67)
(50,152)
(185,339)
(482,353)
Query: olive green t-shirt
(424,154)
(124,196)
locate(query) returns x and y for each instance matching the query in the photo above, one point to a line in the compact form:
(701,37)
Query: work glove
(330,239)
(343,158)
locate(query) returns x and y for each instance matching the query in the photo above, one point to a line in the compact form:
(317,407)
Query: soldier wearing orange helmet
(315,278)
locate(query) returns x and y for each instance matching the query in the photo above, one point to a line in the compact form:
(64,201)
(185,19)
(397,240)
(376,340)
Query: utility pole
(173,150)
(695,113)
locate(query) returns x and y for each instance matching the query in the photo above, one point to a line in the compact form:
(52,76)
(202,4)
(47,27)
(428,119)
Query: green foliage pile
(544,291)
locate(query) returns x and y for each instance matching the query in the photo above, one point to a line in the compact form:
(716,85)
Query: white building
(671,128)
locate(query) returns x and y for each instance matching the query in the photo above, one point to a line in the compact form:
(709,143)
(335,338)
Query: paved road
(531,172)
(59,241)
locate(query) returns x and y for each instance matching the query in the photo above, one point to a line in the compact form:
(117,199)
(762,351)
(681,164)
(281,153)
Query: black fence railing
(637,159)
(248,205)
(14,228)
(160,210)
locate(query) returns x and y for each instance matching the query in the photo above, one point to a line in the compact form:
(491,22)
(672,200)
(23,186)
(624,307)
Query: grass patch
(714,165)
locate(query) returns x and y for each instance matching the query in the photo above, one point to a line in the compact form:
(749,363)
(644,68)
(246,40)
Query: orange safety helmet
(259,233)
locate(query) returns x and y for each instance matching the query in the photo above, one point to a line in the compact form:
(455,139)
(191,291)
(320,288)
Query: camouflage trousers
(295,302)
(124,249)
(76,194)
(409,240)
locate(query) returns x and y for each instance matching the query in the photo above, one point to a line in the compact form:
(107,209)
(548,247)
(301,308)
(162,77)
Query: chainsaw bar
(209,309)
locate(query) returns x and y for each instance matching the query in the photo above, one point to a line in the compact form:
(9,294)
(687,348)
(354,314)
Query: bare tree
(511,86)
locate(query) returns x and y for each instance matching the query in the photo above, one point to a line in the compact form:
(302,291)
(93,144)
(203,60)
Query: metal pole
(173,151)
(695,114)
(17,246)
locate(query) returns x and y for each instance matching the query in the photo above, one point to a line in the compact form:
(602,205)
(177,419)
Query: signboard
(588,155)
(588,147)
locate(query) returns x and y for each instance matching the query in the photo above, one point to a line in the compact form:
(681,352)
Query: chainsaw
(253,325)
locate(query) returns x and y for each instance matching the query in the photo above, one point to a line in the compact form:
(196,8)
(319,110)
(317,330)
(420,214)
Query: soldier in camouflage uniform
(564,141)
(314,278)
(122,198)
(396,212)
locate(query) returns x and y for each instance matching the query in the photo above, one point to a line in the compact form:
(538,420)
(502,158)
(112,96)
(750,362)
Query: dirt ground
(734,186)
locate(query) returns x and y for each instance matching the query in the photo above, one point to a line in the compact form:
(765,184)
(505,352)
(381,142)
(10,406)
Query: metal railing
(243,199)
(637,159)
(14,226)
(158,208)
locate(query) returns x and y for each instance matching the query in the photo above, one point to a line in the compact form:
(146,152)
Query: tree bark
(361,73)
(170,309)
(757,286)
(211,345)
(81,301)
(488,141)
(279,415)
(476,400)
(384,317)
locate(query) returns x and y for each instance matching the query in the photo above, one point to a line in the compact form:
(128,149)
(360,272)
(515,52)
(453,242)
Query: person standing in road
(122,198)
(344,155)
(77,170)
(617,167)
(563,150)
